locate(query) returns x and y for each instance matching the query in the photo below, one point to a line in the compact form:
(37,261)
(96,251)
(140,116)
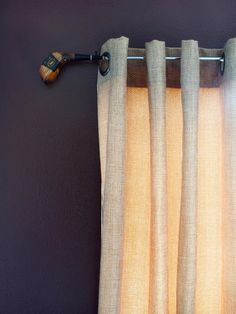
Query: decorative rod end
(52,64)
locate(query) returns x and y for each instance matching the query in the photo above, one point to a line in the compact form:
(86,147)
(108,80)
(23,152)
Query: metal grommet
(222,64)
(104,63)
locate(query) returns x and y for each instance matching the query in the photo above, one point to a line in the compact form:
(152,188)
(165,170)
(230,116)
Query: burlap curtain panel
(167,136)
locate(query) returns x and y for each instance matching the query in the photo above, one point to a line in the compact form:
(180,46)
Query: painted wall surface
(49,157)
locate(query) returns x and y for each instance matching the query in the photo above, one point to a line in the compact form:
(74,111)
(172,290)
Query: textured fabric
(167,137)
(156,67)
(186,276)
(229,217)
(113,168)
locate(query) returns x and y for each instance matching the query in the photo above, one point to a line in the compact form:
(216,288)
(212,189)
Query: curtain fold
(112,147)
(229,214)
(186,276)
(156,68)
(167,140)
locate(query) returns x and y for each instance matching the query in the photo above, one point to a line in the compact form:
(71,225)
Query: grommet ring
(104,63)
(222,64)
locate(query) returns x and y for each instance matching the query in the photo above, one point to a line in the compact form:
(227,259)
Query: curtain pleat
(186,276)
(156,69)
(229,209)
(167,140)
(113,151)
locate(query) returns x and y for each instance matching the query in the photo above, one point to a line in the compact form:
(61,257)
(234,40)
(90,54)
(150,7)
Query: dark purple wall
(49,159)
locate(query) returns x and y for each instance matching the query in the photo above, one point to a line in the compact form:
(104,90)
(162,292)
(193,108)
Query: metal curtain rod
(53,63)
(221,59)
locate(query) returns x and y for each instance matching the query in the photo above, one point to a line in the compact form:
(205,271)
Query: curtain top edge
(125,39)
(135,71)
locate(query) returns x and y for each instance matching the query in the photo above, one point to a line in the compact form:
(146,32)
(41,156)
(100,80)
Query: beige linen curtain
(167,136)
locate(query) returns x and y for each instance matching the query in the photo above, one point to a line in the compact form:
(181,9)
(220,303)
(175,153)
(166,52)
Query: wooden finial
(51,66)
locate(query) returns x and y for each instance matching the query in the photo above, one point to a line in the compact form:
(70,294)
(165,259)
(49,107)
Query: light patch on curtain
(136,247)
(167,138)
